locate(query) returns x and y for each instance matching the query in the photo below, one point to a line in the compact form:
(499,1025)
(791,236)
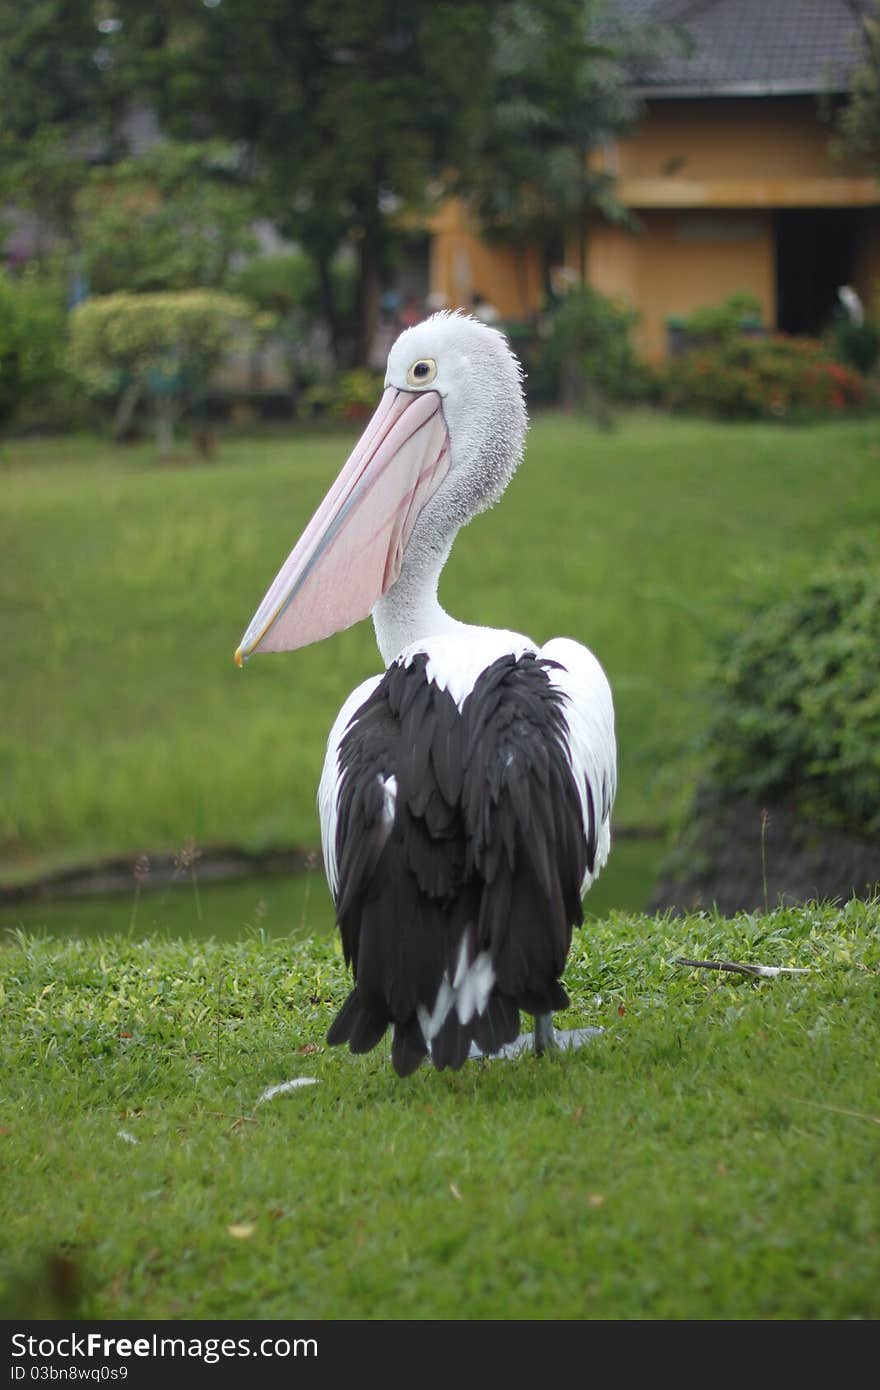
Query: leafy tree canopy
(172,219)
(558,89)
(62,99)
(346,108)
(859,121)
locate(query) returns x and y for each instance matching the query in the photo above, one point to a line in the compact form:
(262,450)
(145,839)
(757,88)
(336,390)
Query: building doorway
(814,257)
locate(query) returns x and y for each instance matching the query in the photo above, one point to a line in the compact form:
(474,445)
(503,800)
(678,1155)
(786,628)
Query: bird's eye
(421,372)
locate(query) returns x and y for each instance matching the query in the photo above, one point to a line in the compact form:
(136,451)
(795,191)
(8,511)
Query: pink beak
(351,552)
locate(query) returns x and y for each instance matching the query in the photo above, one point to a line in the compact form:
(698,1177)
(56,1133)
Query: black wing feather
(487,847)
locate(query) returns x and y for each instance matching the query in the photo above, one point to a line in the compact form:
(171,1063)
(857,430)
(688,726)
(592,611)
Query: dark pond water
(278,904)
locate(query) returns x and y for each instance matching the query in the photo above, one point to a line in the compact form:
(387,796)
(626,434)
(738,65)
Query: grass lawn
(714,1154)
(126,586)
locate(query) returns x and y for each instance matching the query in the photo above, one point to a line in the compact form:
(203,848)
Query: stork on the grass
(466,796)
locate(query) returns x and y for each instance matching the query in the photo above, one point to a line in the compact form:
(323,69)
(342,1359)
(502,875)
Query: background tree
(174,218)
(858,123)
(558,88)
(62,101)
(31,342)
(347,109)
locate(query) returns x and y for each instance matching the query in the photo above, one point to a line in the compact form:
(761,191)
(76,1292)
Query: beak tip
(239,657)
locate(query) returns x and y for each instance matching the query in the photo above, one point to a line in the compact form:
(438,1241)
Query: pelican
(465,801)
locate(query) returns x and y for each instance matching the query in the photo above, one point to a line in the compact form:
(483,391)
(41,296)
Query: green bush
(587,345)
(351,395)
(719,323)
(856,345)
(32,345)
(164,346)
(279,285)
(799,700)
(743,378)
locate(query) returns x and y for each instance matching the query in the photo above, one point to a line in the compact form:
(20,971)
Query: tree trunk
(579,395)
(165,413)
(367,299)
(584,218)
(597,406)
(328,303)
(521,261)
(126,406)
(571,385)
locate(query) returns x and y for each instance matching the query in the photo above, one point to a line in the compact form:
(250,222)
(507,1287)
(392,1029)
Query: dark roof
(752,47)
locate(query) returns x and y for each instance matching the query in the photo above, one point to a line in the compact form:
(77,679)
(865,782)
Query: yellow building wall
(462,265)
(761,152)
(703,178)
(682,261)
(729,138)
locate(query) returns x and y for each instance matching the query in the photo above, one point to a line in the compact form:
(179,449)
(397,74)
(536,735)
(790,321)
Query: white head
(442,446)
(479,381)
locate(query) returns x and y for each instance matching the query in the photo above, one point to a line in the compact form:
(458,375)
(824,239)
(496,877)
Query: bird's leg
(545,1038)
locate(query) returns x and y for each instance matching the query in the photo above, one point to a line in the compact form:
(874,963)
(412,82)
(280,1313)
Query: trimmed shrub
(716,323)
(163,346)
(741,378)
(798,717)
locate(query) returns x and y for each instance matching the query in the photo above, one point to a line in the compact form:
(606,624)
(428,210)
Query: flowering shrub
(761,379)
